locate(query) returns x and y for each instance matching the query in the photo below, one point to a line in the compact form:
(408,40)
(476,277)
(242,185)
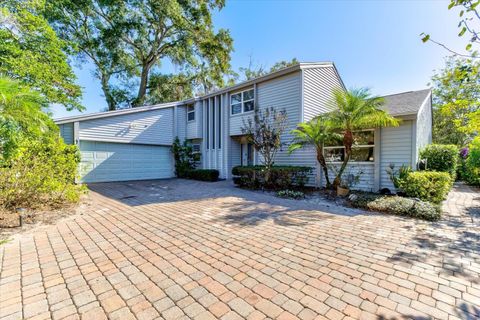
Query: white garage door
(104,161)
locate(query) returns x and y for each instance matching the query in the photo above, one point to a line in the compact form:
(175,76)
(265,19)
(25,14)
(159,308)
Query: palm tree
(316,133)
(356,109)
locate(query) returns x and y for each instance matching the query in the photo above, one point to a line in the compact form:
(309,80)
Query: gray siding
(66,132)
(395,148)
(235,154)
(424,127)
(149,127)
(194,128)
(181,123)
(364,170)
(318,85)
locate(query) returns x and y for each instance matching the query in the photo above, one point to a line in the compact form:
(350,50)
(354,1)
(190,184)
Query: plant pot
(342,192)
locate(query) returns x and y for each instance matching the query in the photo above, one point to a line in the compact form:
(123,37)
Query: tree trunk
(347,142)
(106,91)
(142,90)
(323,164)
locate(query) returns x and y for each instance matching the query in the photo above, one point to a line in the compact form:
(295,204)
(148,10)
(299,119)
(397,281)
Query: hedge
(441,157)
(281,177)
(427,185)
(398,206)
(203,174)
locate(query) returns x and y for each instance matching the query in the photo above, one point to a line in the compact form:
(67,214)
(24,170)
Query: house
(134,144)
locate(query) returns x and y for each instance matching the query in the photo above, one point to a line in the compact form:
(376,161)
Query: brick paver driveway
(184,249)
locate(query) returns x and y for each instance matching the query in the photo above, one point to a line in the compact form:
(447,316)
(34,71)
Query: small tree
(264,131)
(316,133)
(355,110)
(185,158)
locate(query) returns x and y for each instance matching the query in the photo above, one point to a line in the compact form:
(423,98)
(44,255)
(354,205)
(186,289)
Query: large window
(191,113)
(242,101)
(362,149)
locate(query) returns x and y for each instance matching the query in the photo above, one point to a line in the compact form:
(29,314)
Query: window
(196,148)
(242,101)
(362,149)
(207,117)
(219,139)
(190,113)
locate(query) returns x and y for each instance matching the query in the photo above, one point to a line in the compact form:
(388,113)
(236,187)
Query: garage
(125,145)
(106,161)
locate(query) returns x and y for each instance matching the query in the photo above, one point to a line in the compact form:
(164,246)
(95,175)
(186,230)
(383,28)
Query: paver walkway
(184,249)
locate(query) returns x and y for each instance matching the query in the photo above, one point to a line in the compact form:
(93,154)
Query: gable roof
(406,103)
(271,75)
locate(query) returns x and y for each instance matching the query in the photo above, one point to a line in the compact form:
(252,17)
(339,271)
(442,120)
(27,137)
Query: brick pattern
(190,250)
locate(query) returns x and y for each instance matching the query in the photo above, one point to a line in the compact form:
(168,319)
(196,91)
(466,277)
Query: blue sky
(373,43)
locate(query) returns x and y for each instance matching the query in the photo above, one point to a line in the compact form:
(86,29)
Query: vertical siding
(66,132)
(424,127)
(318,85)
(149,127)
(396,148)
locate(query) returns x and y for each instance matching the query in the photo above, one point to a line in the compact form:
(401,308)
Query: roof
(406,103)
(275,74)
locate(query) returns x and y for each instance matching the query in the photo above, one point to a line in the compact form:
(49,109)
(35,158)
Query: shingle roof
(405,103)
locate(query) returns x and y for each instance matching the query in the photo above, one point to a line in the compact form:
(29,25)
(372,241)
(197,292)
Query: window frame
(242,102)
(192,111)
(360,146)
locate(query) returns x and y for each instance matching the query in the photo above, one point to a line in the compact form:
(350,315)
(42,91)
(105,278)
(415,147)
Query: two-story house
(134,144)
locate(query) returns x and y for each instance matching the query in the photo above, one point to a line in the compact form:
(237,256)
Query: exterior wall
(66,132)
(149,127)
(396,147)
(424,127)
(237,120)
(366,171)
(194,128)
(181,123)
(318,86)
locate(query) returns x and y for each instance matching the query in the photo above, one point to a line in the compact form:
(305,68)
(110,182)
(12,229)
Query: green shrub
(398,206)
(290,194)
(185,158)
(203,174)
(427,185)
(42,173)
(472,163)
(281,177)
(441,157)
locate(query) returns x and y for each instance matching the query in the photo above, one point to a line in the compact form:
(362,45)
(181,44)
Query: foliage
(397,176)
(316,133)
(31,52)
(291,194)
(468,24)
(128,40)
(398,205)
(456,102)
(202,174)
(185,158)
(21,117)
(42,173)
(252,72)
(356,109)
(441,157)
(264,131)
(280,177)
(472,163)
(169,87)
(427,185)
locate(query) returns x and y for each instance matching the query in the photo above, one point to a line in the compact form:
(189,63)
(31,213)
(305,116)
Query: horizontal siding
(149,127)
(182,122)
(194,128)
(365,170)
(318,85)
(101,161)
(235,153)
(66,132)
(238,121)
(395,148)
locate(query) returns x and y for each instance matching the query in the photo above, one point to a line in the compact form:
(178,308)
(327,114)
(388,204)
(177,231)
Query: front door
(247,154)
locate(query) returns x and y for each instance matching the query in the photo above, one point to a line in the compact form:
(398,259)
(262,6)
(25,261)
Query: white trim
(242,102)
(191,111)
(76,133)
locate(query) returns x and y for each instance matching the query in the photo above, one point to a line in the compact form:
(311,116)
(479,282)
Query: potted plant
(347,182)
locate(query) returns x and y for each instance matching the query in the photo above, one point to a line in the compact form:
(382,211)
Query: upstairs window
(190,113)
(242,101)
